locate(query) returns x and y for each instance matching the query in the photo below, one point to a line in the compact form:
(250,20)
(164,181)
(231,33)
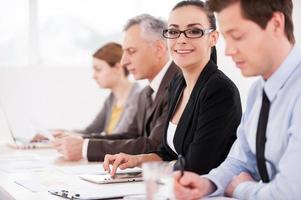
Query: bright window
(66,32)
(13,32)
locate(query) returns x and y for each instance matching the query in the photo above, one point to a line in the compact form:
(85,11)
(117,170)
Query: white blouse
(171,130)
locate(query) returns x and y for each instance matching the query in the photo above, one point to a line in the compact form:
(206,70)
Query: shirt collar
(155,83)
(282,74)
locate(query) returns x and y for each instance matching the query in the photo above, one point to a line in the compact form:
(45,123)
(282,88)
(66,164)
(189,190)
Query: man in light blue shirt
(259,38)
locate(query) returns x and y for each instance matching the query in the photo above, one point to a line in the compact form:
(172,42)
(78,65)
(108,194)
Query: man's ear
(160,48)
(277,24)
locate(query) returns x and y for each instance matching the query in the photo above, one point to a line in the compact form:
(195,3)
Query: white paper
(21,163)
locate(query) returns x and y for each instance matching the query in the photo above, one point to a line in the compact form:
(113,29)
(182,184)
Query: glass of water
(158,180)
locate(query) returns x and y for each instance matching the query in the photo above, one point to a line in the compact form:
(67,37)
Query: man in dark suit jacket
(146,57)
(145,133)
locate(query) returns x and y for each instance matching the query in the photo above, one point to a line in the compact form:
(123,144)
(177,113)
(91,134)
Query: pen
(180,164)
(181,160)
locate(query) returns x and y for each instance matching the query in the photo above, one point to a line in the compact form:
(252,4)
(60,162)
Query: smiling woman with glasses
(204,106)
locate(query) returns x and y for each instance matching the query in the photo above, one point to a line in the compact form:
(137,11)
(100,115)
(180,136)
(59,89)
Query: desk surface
(48,171)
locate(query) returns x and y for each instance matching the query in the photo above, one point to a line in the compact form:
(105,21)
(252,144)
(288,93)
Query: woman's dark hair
(213,55)
(111,53)
(210,15)
(203,6)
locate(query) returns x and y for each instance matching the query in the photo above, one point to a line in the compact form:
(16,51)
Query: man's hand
(69,145)
(38,137)
(56,133)
(236,180)
(191,186)
(120,160)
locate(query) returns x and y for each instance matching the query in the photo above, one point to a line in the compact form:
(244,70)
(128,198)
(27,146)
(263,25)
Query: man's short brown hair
(261,11)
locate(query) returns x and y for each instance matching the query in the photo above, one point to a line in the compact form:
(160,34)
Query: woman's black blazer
(207,127)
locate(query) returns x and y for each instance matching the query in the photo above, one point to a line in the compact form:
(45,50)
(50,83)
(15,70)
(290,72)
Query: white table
(47,173)
(50,172)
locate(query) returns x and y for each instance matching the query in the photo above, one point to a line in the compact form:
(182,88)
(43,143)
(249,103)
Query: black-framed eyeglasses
(189,33)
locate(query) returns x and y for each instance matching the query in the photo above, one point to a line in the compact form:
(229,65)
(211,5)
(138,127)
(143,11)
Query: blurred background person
(120,106)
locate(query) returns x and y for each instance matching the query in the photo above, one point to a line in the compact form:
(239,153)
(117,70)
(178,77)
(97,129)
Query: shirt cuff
(219,189)
(85,148)
(246,190)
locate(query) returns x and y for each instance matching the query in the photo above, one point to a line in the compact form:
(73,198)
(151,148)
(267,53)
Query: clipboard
(102,191)
(74,195)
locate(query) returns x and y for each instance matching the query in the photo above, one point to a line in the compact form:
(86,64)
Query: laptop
(21,143)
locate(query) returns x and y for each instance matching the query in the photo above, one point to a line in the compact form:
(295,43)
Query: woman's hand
(120,160)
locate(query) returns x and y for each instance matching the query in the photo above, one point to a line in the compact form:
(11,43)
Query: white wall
(50,97)
(67,97)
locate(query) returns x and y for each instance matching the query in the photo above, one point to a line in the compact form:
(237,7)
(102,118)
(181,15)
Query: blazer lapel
(172,70)
(172,105)
(185,119)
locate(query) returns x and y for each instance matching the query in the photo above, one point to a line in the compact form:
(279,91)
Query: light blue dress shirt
(283,146)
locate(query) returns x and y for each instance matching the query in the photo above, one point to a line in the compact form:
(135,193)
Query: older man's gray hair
(151,27)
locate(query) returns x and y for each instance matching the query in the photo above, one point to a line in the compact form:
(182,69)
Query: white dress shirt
(156,82)
(171,130)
